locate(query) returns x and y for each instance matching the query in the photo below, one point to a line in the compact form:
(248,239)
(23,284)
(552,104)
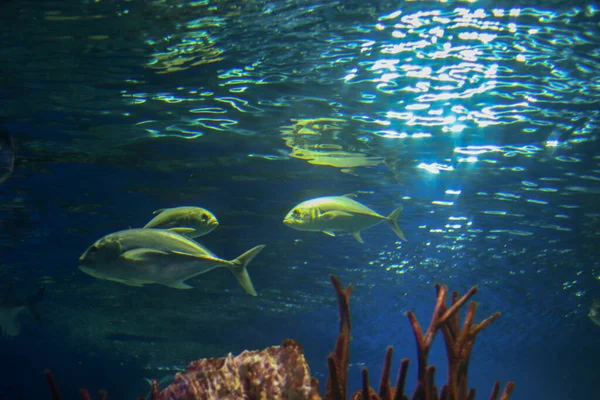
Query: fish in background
(11,306)
(594,313)
(7,154)
(338,214)
(192,222)
(140,256)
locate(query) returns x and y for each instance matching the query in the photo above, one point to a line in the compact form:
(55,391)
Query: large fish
(10,308)
(139,256)
(338,214)
(189,221)
(7,154)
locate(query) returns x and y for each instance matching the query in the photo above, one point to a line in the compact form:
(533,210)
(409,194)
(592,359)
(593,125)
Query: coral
(338,360)
(281,372)
(84,394)
(277,372)
(459,344)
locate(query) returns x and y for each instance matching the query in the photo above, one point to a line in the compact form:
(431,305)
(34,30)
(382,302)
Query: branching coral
(281,372)
(459,344)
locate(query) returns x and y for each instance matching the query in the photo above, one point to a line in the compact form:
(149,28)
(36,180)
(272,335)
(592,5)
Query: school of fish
(164,251)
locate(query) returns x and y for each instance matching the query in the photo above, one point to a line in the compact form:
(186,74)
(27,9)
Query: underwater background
(481,118)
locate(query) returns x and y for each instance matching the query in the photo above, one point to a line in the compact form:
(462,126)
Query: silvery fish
(140,256)
(338,214)
(594,313)
(189,221)
(10,308)
(7,154)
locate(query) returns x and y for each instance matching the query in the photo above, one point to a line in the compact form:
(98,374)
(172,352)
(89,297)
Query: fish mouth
(213,223)
(288,222)
(85,263)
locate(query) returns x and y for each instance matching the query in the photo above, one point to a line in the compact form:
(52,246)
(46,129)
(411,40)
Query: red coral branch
(155,391)
(510,386)
(459,345)
(338,360)
(366,389)
(399,391)
(385,390)
(52,383)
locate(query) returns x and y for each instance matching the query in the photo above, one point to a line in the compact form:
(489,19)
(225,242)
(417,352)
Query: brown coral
(459,344)
(278,372)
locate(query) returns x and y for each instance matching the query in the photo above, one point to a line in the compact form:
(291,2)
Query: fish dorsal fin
(329,215)
(142,254)
(356,235)
(329,233)
(182,230)
(158,211)
(350,195)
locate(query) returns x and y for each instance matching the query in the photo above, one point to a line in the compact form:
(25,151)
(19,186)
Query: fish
(192,222)
(338,214)
(7,154)
(142,256)
(594,313)
(10,308)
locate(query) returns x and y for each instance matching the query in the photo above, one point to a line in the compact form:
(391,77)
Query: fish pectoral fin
(356,235)
(179,285)
(329,215)
(141,254)
(182,230)
(329,233)
(158,211)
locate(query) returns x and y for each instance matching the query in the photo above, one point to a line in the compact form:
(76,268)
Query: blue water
(481,118)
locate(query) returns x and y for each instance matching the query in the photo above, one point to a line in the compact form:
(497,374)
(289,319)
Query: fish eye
(204,217)
(297,214)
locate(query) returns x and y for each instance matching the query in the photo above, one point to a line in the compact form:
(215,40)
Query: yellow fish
(137,257)
(192,222)
(338,214)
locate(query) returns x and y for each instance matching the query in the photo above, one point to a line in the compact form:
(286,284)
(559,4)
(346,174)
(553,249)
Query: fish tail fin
(238,267)
(32,303)
(393,220)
